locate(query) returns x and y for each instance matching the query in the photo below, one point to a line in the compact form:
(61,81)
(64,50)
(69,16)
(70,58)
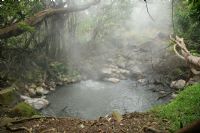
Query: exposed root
(151,130)
(12,129)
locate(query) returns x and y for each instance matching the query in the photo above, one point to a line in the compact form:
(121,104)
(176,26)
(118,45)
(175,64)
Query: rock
(194,80)
(37,103)
(124,71)
(113,80)
(41,91)
(43,85)
(141,80)
(82,126)
(173,95)
(8,96)
(179,84)
(32,92)
(107,71)
(122,65)
(26,86)
(52,84)
(23,109)
(122,77)
(59,83)
(162,92)
(33,86)
(52,89)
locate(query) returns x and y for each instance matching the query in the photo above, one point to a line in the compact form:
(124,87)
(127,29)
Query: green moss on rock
(24,110)
(8,96)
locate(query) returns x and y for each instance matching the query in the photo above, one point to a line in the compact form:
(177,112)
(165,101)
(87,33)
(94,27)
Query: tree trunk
(15,30)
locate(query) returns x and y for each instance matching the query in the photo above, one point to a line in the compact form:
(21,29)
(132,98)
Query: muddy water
(91,99)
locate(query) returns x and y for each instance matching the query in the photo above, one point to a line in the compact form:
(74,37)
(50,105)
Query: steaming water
(90,99)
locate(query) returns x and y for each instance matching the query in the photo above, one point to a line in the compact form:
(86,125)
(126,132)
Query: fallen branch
(192,61)
(19,129)
(151,130)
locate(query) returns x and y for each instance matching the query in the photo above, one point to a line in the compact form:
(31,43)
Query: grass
(184,109)
(24,110)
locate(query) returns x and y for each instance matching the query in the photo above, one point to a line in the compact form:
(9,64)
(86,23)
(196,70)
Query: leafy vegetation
(24,109)
(184,109)
(187,22)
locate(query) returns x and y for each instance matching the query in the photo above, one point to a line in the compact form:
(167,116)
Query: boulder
(141,80)
(33,86)
(178,84)
(107,71)
(162,92)
(32,92)
(8,96)
(173,95)
(41,91)
(36,103)
(124,71)
(113,80)
(52,84)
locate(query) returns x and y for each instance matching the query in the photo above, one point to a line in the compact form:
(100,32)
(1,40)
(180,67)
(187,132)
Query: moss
(8,96)
(184,109)
(24,110)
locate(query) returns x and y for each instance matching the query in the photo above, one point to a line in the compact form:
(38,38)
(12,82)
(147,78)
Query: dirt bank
(131,123)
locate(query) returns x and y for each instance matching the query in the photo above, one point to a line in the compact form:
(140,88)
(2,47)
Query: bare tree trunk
(192,61)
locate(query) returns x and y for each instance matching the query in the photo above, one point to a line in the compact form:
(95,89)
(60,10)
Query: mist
(90,56)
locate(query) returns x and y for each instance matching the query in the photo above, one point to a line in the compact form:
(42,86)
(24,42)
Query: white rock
(24,97)
(162,92)
(82,126)
(37,103)
(124,71)
(174,96)
(107,71)
(179,84)
(44,85)
(52,89)
(113,80)
(32,92)
(33,86)
(141,80)
(41,91)
(52,83)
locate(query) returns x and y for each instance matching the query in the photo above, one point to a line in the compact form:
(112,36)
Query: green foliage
(26,27)
(24,110)
(58,67)
(12,11)
(187,22)
(185,108)
(100,23)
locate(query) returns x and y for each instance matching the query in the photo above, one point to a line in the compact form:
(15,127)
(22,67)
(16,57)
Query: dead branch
(191,60)
(19,129)
(148,11)
(151,130)
(15,30)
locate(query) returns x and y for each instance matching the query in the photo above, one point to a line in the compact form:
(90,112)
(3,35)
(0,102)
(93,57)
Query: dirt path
(131,123)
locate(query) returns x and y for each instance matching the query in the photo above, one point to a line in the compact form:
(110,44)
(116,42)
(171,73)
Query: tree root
(29,130)
(151,130)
